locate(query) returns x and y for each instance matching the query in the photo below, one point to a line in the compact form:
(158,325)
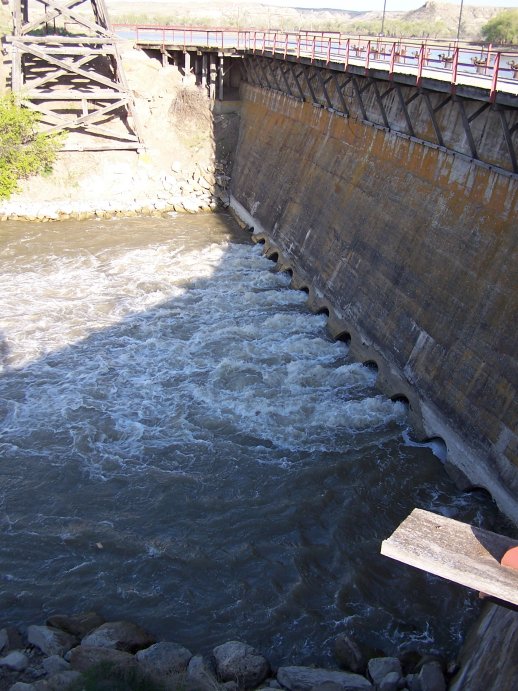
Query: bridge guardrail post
(494,80)
(420,65)
(454,69)
(392,60)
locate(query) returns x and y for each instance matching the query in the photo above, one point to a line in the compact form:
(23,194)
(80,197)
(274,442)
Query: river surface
(182,444)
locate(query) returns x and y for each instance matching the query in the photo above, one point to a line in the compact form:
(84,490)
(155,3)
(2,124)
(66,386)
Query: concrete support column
(221,74)
(197,68)
(204,70)
(187,66)
(213,76)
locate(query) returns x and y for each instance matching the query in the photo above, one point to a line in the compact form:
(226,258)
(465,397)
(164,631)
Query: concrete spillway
(412,250)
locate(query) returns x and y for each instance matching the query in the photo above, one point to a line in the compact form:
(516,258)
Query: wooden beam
(70,68)
(64,95)
(57,10)
(53,76)
(457,551)
(80,51)
(58,40)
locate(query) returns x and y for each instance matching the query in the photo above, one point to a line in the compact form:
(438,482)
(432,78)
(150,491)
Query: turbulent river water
(183,445)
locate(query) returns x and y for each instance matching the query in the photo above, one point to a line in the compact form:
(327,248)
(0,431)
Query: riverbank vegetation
(23,150)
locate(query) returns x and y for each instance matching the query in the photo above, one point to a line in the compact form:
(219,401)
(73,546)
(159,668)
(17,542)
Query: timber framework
(66,66)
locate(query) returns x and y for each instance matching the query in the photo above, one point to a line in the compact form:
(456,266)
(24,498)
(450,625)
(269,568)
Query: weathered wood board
(457,551)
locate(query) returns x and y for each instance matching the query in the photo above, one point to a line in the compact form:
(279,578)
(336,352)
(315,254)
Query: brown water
(183,445)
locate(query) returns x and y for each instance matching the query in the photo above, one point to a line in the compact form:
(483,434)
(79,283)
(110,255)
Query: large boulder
(49,640)
(431,677)
(200,673)
(307,678)
(239,662)
(16,660)
(55,664)
(379,667)
(84,657)
(390,682)
(78,625)
(119,635)
(350,655)
(162,661)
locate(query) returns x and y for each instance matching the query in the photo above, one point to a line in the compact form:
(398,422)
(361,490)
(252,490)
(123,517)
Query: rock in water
(239,662)
(349,654)
(164,660)
(201,673)
(16,661)
(119,635)
(379,667)
(78,625)
(49,640)
(85,657)
(431,677)
(307,678)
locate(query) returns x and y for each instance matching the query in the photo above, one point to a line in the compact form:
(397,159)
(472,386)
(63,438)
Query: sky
(392,5)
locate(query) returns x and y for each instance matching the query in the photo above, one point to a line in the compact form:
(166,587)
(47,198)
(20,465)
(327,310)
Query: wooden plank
(111,146)
(54,50)
(80,40)
(457,551)
(61,95)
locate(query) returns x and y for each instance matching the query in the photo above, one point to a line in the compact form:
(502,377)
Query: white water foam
(173,399)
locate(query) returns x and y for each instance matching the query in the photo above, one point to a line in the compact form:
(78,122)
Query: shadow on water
(4,352)
(146,473)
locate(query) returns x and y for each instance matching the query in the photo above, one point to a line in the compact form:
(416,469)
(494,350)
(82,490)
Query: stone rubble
(54,657)
(203,189)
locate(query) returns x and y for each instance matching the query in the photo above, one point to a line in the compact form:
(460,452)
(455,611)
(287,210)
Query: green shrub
(23,150)
(503,28)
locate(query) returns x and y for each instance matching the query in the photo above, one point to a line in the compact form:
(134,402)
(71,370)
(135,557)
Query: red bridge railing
(480,66)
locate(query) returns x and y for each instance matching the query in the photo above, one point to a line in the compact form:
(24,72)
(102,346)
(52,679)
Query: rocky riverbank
(85,652)
(202,189)
(183,166)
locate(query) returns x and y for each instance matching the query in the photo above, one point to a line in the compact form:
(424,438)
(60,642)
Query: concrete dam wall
(412,251)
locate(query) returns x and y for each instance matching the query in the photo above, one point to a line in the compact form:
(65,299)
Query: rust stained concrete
(413,252)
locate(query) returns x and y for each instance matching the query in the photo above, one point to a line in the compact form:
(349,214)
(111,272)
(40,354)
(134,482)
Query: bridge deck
(457,551)
(484,73)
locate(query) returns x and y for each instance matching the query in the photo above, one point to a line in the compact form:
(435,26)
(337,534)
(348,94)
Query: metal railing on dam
(460,99)
(482,67)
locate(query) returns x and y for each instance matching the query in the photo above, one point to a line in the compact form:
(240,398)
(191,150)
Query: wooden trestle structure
(66,66)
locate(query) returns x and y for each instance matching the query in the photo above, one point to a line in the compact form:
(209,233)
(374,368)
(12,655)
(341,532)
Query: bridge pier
(204,70)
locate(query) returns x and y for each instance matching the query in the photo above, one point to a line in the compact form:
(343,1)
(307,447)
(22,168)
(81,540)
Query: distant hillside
(433,19)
